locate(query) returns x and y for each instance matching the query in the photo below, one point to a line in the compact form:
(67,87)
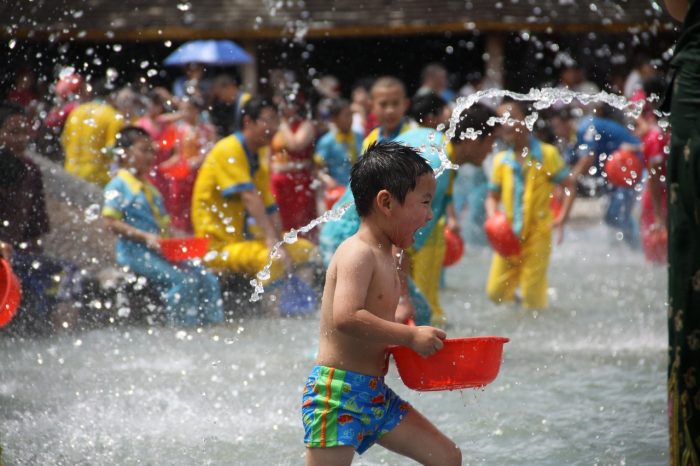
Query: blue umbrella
(210,52)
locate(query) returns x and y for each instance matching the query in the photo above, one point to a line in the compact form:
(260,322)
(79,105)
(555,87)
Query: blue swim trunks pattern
(346,408)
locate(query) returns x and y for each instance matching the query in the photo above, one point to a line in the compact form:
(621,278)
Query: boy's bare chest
(386,286)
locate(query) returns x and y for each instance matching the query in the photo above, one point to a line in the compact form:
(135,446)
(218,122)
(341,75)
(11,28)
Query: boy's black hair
(254,107)
(128,136)
(336,106)
(521,105)
(385,165)
(427,104)
(475,117)
(7,109)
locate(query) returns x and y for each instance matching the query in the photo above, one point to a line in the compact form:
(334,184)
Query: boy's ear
(384,201)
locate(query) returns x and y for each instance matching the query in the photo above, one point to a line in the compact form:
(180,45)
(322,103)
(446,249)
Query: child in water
(134,211)
(346,405)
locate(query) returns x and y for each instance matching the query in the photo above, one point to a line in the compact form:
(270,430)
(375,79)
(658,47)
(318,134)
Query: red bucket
(623,168)
(331,196)
(501,236)
(461,363)
(178,171)
(180,249)
(454,248)
(10,293)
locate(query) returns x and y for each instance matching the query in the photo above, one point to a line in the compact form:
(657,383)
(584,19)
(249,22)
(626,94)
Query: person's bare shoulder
(353,253)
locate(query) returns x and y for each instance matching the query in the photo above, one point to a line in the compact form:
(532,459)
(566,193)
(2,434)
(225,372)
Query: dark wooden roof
(241,19)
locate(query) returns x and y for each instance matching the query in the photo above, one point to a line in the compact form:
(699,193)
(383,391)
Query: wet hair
(8,109)
(430,70)
(475,117)
(654,85)
(519,104)
(126,138)
(225,79)
(157,98)
(386,165)
(427,104)
(254,107)
(388,81)
(194,100)
(336,106)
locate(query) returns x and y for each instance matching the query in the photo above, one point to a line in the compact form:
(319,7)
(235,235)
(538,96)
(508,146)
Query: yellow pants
(527,271)
(249,257)
(427,267)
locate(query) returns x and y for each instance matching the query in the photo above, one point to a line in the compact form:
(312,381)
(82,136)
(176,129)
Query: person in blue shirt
(134,210)
(596,139)
(338,149)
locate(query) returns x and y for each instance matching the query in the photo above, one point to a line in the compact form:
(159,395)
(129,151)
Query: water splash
(289,238)
(542,99)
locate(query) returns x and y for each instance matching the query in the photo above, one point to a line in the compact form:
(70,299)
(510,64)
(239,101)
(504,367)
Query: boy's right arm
(355,274)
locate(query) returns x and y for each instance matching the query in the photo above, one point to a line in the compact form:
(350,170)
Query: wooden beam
(338,32)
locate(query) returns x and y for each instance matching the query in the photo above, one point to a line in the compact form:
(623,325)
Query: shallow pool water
(582,383)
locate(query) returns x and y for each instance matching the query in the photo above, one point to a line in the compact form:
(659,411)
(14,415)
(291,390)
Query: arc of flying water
(543,98)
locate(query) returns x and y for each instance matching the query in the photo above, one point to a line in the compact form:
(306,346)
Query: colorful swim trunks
(346,408)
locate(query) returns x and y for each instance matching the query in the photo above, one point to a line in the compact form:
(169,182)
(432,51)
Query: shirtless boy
(346,405)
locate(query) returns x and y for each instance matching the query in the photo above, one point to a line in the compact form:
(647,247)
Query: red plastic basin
(461,363)
(10,293)
(331,196)
(180,249)
(501,236)
(454,248)
(178,171)
(623,168)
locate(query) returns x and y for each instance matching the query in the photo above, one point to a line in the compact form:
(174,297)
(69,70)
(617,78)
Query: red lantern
(454,248)
(623,168)
(501,236)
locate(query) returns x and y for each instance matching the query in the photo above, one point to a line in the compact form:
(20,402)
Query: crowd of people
(208,159)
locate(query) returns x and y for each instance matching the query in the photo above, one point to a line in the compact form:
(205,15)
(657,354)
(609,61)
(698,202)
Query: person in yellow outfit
(89,132)
(232,204)
(425,258)
(522,180)
(389,104)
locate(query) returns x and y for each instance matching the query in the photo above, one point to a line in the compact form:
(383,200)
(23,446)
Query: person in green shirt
(683,177)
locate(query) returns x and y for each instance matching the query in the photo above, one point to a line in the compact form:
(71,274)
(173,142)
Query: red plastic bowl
(178,171)
(10,293)
(180,249)
(454,248)
(331,196)
(461,363)
(501,236)
(623,168)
